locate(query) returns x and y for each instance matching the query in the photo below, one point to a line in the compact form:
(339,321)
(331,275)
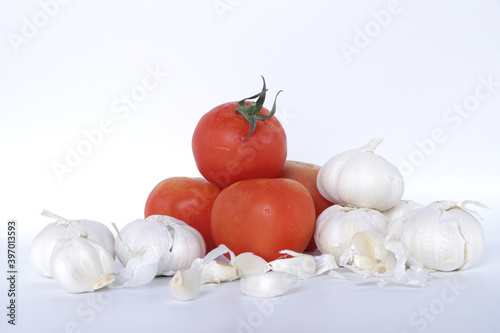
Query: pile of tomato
(250,198)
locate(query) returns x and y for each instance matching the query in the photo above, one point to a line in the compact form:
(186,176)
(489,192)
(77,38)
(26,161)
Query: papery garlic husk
(299,264)
(185,285)
(324,263)
(43,244)
(79,265)
(270,284)
(368,252)
(367,271)
(336,226)
(215,271)
(441,236)
(158,245)
(361,178)
(248,264)
(401,208)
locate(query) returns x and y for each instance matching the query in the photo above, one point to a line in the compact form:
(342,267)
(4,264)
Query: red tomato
(228,147)
(187,199)
(264,216)
(306,174)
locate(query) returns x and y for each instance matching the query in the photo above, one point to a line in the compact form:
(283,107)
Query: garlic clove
(301,265)
(369,252)
(248,264)
(79,265)
(185,285)
(363,269)
(43,244)
(270,284)
(216,272)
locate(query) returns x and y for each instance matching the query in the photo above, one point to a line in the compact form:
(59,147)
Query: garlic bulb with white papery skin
(441,236)
(79,265)
(157,245)
(43,244)
(336,226)
(360,178)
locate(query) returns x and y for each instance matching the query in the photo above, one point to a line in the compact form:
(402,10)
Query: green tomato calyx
(251,111)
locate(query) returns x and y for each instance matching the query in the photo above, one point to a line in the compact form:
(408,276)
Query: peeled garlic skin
(336,226)
(440,236)
(78,265)
(43,244)
(360,178)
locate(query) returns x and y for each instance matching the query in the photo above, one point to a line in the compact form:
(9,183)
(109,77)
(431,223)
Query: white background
(349,71)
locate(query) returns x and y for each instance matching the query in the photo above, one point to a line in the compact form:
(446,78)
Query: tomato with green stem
(239,140)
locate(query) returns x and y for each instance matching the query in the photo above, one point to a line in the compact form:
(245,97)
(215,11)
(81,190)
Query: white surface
(73,73)
(461,303)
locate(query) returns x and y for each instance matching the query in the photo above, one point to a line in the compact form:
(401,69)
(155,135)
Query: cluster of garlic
(373,232)
(258,278)
(80,254)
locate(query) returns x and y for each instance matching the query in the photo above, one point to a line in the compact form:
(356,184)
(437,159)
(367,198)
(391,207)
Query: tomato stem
(251,111)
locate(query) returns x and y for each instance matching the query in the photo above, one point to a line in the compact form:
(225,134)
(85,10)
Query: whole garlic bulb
(79,265)
(44,243)
(441,236)
(157,245)
(360,178)
(336,226)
